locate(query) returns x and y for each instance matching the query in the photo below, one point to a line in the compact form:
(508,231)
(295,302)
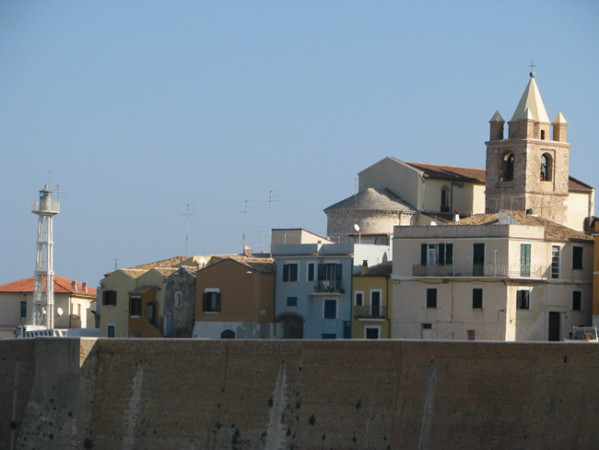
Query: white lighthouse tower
(43,301)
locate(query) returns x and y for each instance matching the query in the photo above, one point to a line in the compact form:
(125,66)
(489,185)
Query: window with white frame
(439,254)
(178,299)
(310,271)
(372,332)
(359,298)
(211,300)
(555,252)
(290,272)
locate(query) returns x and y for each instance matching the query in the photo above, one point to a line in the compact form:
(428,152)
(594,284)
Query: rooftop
(62,285)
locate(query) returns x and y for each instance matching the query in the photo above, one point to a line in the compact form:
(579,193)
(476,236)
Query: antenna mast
(245,213)
(270,200)
(187,214)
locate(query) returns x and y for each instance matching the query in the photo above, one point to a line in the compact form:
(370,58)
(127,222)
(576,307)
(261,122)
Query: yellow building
(371,303)
(132,300)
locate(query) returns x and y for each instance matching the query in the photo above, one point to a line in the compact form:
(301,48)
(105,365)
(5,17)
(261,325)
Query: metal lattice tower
(43,301)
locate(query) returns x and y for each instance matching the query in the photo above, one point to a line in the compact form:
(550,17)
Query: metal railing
(477,270)
(370,311)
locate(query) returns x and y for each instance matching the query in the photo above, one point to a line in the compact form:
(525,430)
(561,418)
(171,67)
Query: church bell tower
(528,171)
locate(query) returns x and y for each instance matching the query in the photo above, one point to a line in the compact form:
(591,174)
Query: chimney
(456,215)
(247,251)
(364,267)
(74,286)
(84,286)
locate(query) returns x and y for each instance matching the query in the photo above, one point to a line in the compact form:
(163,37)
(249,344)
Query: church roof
(553,231)
(450,172)
(531,104)
(372,199)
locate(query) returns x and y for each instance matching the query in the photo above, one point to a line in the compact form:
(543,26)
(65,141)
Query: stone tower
(530,169)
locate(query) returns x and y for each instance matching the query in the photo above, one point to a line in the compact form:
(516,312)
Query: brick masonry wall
(162,394)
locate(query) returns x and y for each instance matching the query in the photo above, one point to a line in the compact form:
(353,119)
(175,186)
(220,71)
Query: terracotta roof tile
(62,285)
(553,231)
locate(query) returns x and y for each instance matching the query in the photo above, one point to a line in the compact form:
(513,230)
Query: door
(375,304)
(478,260)
(554,326)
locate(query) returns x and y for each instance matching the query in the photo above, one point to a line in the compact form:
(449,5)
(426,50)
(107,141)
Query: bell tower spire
(528,170)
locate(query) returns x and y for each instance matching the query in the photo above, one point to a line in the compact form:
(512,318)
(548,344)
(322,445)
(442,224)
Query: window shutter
(423,254)
(205,301)
(441,254)
(338,272)
(321,272)
(293,272)
(285,272)
(449,254)
(217,295)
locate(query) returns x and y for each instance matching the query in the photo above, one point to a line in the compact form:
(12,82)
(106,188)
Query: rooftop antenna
(270,200)
(187,213)
(245,213)
(116,262)
(43,302)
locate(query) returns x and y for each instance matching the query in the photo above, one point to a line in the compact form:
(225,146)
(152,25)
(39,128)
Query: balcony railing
(477,270)
(324,286)
(370,311)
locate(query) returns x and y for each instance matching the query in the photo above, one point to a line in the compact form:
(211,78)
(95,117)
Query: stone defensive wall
(198,394)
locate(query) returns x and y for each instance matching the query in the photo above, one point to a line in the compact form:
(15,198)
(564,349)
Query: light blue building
(313,287)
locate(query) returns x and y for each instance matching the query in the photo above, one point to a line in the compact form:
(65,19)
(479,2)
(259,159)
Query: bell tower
(528,170)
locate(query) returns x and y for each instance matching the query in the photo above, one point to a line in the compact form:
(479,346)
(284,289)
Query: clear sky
(137,108)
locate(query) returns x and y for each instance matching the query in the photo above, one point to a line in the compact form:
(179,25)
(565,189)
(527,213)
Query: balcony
(477,270)
(372,312)
(328,286)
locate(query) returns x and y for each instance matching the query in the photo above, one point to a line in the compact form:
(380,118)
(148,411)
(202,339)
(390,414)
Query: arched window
(508,167)
(227,334)
(546,167)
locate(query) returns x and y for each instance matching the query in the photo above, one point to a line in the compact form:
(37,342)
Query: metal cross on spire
(532,68)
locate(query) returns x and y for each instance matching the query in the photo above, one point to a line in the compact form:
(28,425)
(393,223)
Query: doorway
(554,326)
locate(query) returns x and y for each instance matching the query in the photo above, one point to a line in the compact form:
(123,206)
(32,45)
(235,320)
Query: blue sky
(137,108)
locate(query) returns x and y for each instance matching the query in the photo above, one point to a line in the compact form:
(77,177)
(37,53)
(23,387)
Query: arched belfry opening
(507,168)
(546,167)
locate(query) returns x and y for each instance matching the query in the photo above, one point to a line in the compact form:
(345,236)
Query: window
(178,299)
(431,298)
(471,335)
(330,309)
(524,260)
(23,309)
(135,306)
(375,304)
(372,332)
(427,326)
(151,312)
(290,272)
(477,298)
(576,301)
(543,135)
(478,260)
(508,167)
(329,271)
(555,250)
(523,299)
(310,271)
(291,301)
(329,336)
(109,298)
(227,334)
(444,199)
(436,254)
(212,301)
(111,330)
(359,298)
(577,258)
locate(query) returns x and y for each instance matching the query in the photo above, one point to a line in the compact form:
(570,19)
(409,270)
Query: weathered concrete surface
(161,394)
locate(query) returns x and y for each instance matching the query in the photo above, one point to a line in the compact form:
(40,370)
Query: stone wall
(162,394)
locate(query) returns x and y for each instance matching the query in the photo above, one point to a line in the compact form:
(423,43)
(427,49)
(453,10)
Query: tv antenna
(187,213)
(270,201)
(245,212)
(116,262)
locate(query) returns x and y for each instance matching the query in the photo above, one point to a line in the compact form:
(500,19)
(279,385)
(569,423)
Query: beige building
(519,275)
(72,302)
(506,276)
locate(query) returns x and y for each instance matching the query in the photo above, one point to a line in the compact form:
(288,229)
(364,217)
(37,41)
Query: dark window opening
(576,301)
(523,299)
(508,167)
(431,298)
(135,306)
(212,301)
(109,298)
(477,298)
(330,309)
(290,272)
(291,301)
(151,313)
(23,309)
(577,258)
